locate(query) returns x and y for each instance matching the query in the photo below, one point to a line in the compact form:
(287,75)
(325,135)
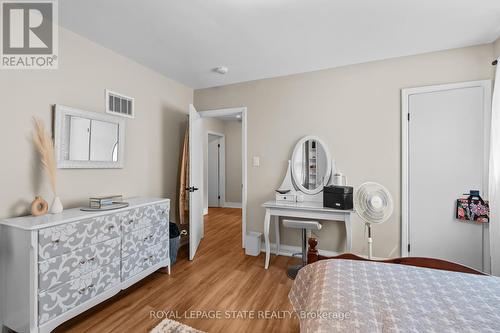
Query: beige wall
(209,125)
(356,111)
(153,138)
(231,129)
(233,161)
(496,48)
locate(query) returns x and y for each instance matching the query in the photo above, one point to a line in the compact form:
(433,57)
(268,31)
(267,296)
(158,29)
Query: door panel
(195,181)
(446,159)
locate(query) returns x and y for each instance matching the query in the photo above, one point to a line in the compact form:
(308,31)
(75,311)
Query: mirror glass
(88,139)
(311,165)
(92,140)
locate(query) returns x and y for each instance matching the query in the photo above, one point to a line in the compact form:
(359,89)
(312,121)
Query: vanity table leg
(348,233)
(277,233)
(267,220)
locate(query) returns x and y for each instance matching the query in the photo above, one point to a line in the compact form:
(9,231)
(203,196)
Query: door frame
(405,100)
(222,167)
(244,172)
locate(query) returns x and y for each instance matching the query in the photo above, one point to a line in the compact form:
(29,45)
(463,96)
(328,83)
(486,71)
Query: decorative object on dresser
(55,267)
(99,204)
(39,206)
(45,147)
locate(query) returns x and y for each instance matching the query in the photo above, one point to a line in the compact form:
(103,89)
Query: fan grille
(373,203)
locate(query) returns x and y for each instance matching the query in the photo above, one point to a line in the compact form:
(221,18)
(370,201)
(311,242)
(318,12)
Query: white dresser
(54,267)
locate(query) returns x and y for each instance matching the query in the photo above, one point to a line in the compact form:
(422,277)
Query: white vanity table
(309,170)
(310,210)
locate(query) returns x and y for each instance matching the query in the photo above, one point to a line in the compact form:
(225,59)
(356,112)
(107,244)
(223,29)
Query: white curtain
(494,179)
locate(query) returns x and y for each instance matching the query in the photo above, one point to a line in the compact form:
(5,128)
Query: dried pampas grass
(45,147)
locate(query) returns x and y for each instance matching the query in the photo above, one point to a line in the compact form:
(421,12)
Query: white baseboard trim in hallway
(205,211)
(232,205)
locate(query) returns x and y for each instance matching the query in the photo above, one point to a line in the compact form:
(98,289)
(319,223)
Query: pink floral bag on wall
(473,208)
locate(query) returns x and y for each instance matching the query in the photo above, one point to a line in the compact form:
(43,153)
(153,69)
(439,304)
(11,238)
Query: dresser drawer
(143,217)
(141,239)
(69,237)
(138,262)
(56,271)
(54,302)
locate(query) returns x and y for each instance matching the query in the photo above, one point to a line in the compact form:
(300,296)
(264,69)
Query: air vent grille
(119,104)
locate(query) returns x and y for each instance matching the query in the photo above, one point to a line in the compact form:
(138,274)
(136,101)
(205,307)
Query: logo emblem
(29,34)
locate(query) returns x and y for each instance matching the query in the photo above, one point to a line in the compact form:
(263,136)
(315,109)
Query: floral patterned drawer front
(69,237)
(141,239)
(56,271)
(138,262)
(56,301)
(144,217)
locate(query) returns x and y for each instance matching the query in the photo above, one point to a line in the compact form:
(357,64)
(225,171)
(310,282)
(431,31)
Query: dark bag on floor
(473,208)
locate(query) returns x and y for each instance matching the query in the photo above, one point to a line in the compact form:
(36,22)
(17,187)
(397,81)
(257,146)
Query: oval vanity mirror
(311,165)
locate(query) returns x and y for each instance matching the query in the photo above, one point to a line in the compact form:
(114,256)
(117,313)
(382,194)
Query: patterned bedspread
(358,296)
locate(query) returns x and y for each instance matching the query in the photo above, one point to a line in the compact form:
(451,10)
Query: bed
(353,294)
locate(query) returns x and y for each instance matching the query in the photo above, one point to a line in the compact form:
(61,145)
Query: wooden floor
(221,278)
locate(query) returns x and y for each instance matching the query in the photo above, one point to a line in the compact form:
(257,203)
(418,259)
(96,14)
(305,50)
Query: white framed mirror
(311,165)
(88,140)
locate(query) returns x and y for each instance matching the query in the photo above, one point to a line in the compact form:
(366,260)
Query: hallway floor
(221,280)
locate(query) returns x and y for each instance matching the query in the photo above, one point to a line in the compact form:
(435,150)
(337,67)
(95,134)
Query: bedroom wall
(356,111)
(153,138)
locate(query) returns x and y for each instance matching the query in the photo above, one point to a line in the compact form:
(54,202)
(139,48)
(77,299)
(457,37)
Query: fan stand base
(292,271)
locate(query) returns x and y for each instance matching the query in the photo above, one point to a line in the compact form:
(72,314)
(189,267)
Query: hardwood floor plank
(220,278)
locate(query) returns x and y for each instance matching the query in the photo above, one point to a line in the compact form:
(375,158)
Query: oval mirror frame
(328,165)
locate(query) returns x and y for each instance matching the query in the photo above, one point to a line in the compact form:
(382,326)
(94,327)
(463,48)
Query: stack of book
(105,201)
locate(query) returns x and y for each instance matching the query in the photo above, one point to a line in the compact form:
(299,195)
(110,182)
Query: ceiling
(255,39)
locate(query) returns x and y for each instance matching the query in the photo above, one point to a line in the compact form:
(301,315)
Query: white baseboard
(205,211)
(232,204)
(289,250)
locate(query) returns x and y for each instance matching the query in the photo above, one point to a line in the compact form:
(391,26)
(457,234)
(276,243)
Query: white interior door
(195,181)
(446,158)
(213,152)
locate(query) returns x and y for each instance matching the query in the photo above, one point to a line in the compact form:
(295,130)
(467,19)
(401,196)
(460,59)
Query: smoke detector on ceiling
(221,70)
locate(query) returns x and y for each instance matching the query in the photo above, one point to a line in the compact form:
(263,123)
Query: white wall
(153,138)
(356,111)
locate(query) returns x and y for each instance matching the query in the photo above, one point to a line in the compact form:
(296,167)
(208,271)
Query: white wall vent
(119,104)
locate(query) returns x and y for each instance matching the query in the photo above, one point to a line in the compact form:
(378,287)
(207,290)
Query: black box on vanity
(339,197)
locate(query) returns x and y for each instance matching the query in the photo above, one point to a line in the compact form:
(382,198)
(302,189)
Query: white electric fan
(373,204)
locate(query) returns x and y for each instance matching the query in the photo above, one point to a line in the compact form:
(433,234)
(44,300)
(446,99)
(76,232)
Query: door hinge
(408,248)
(408,116)
(218,146)
(219,197)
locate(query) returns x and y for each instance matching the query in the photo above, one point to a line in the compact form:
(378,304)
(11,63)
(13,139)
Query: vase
(57,206)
